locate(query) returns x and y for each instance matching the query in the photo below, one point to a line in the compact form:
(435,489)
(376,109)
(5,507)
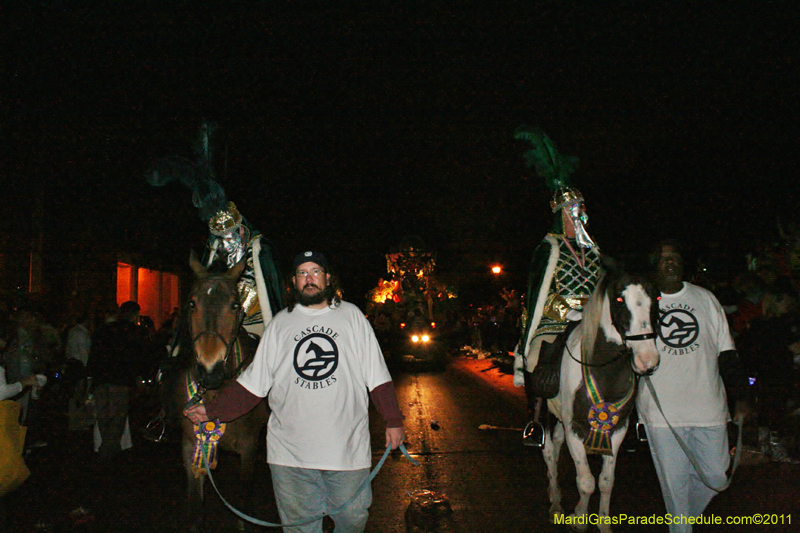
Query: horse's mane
(592,314)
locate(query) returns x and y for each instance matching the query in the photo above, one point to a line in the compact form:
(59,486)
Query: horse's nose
(213,378)
(650,371)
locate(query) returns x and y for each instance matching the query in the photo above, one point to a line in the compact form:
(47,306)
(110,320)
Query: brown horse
(221,350)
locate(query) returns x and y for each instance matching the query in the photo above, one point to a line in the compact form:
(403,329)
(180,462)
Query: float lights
(497,269)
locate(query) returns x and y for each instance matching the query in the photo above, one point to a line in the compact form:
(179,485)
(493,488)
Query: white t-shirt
(694,331)
(317,365)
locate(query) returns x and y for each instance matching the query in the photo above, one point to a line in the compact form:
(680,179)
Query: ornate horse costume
(221,350)
(614,342)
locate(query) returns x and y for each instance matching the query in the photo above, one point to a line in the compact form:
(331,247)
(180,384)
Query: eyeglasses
(313,273)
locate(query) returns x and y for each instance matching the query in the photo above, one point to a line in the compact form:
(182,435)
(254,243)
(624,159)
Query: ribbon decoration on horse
(603,417)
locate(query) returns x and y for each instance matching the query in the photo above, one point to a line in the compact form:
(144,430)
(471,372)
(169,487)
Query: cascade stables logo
(316,357)
(679,330)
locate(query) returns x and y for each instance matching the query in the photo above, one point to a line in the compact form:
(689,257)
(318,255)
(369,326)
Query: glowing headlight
(425,338)
(414,338)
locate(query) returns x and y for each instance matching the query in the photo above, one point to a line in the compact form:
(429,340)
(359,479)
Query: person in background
(79,340)
(768,348)
(28,354)
(9,390)
(320,363)
(117,349)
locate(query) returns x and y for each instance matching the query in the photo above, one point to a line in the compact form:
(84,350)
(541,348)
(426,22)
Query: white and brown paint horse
(220,350)
(614,343)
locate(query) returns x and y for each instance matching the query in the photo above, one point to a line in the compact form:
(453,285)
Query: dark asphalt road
(491,482)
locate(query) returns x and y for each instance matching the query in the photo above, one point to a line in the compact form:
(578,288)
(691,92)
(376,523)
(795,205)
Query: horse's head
(634,312)
(214,315)
(625,308)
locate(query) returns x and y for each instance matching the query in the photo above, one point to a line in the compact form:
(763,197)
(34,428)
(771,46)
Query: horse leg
(551,452)
(583,475)
(606,480)
(194,486)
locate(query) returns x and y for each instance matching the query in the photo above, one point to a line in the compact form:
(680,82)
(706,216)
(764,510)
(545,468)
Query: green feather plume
(554,167)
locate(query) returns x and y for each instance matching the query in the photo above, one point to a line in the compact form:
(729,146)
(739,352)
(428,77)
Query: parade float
(412,311)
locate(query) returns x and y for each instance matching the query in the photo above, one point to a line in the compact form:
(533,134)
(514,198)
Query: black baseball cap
(314,257)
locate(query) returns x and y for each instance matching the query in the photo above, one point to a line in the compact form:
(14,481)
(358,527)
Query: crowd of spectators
(66,353)
(764,316)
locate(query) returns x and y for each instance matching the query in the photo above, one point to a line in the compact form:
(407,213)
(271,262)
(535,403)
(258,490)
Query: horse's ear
(196,266)
(236,272)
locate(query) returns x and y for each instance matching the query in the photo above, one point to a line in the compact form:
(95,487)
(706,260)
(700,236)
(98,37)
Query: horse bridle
(228,345)
(642,337)
(623,352)
(201,390)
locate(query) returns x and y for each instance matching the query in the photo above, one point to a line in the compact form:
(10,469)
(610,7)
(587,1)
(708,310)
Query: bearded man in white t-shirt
(320,364)
(696,350)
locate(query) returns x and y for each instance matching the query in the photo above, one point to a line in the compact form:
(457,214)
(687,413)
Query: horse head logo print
(316,357)
(679,328)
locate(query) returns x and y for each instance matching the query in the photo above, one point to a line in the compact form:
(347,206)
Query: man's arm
(232,402)
(384,397)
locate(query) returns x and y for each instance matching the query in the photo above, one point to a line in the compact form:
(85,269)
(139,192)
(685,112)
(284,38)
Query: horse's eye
(192,304)
(658,298)
(619,299)
(236,306)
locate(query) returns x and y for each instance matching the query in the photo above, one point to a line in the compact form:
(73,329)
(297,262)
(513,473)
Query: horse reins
(625,351)
(621,353)
(335,511)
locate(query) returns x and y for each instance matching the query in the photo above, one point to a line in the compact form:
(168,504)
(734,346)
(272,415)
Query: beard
(318,297)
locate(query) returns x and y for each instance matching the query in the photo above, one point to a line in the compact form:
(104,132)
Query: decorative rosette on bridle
(208,435)
(603,416)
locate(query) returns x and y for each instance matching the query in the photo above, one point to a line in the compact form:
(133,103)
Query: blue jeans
(303,493)
(683,490)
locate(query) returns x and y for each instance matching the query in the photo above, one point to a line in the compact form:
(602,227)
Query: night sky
(348,129)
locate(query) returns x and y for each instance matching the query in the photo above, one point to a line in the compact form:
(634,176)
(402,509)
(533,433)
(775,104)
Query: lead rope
(339,509)
(688,451)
